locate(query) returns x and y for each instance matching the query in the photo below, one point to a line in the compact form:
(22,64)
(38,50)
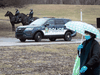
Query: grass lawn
(90,13)
(43,59)
(38,60)
(6,29)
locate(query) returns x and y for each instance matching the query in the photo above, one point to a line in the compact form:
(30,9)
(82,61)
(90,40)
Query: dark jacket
(31,14)
(90,57)
(17,13)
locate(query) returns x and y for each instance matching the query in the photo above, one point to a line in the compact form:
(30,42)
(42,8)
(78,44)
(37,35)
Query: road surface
(4,41)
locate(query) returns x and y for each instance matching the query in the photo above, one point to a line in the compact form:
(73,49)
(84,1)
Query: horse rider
(30,15)
(16,14)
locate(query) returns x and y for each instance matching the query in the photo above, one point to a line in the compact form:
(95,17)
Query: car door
(50,28)
(60,27)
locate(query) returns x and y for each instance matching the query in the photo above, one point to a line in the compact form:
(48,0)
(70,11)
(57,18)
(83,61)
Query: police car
(51,28)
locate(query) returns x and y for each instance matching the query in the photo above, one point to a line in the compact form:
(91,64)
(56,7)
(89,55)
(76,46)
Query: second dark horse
(23,17)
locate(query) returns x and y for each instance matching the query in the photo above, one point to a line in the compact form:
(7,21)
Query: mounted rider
(30,15)
(17,15)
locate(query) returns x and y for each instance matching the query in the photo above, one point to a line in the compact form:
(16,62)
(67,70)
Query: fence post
(81,14)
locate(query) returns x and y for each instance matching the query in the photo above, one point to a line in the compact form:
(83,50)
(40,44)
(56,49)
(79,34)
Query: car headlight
(29,28)
(16,29)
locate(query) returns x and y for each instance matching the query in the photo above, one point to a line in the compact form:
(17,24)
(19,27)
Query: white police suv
(51,28)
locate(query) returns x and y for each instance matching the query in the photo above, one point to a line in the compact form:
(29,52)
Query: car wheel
(52,39)
(38,37)
(22,40)
(67,36)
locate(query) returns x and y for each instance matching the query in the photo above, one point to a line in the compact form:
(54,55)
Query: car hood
(28,26)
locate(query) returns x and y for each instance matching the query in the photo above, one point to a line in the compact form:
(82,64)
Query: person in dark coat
(16,14)
(90,55)
(30,15)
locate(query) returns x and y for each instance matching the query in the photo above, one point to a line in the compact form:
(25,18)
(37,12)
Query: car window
(39,22)
(59,22)
(50,22)
(66,20)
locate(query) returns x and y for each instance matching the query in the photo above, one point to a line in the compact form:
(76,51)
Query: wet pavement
(4,41)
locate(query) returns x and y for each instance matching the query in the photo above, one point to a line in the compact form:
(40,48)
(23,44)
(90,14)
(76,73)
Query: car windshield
(39,22)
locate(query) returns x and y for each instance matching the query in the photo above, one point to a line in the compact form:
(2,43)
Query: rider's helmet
(16,9)
(31,9)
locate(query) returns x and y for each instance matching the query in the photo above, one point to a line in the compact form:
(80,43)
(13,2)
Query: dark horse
(23,17)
